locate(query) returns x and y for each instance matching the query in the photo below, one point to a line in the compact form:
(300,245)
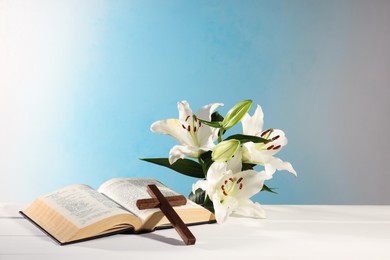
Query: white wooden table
(289,232)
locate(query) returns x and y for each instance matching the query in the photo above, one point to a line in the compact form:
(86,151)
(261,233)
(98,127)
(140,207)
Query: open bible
(78,212)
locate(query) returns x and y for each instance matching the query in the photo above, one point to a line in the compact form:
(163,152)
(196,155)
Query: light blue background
(82,81)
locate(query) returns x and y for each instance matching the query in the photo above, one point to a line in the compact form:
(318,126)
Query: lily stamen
(265,132)
(276,147)
(231,188)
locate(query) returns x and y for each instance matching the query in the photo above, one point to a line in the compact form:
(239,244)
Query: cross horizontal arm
(174,201)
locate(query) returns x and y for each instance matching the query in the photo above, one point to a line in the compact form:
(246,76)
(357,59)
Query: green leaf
(247,138)
(216,117)
(207,161)
(208,204)
(247,166)
(198,197)
(266,188)
(236,113)
(202,199)
(183,166)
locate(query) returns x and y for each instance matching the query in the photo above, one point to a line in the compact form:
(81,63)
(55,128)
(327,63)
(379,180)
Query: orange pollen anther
(277,147)
(232,187)
(265,132)
(270,147)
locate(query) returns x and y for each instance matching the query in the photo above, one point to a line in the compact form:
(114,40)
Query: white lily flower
(194,137)
(263,153)
(231,192)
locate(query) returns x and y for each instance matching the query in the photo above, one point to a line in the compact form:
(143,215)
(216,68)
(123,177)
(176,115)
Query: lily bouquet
(226,166)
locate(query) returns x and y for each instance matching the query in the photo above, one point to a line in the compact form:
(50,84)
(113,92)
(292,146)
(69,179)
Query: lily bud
(225,150)
(236,113)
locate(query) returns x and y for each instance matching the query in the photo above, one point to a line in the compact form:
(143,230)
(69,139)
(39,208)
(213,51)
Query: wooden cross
(165,204)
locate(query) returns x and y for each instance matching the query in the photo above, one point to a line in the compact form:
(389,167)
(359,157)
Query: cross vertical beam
(172,216)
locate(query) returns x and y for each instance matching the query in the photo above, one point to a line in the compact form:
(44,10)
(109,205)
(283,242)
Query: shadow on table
(164,239)
(116,242)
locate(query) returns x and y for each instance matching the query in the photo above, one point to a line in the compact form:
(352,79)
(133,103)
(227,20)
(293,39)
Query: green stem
(269,133)
(220,135)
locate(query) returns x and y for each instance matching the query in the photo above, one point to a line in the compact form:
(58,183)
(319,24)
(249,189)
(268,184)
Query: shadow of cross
(165,204)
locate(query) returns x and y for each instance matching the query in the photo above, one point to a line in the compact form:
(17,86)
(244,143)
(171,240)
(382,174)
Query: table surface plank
(288,232)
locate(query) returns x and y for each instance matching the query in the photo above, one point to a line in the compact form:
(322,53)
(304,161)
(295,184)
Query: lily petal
(256,153)
(207,135)
(252,182)
(216,171)
(235,163)
(249,209)
(206,111)
(180,152)
(173,128)
(252,125)
(223,210)
(279,139)
(202,184)
(184,110)
(277,164)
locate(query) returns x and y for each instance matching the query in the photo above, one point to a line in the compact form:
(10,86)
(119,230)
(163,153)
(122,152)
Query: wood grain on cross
(165,204)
